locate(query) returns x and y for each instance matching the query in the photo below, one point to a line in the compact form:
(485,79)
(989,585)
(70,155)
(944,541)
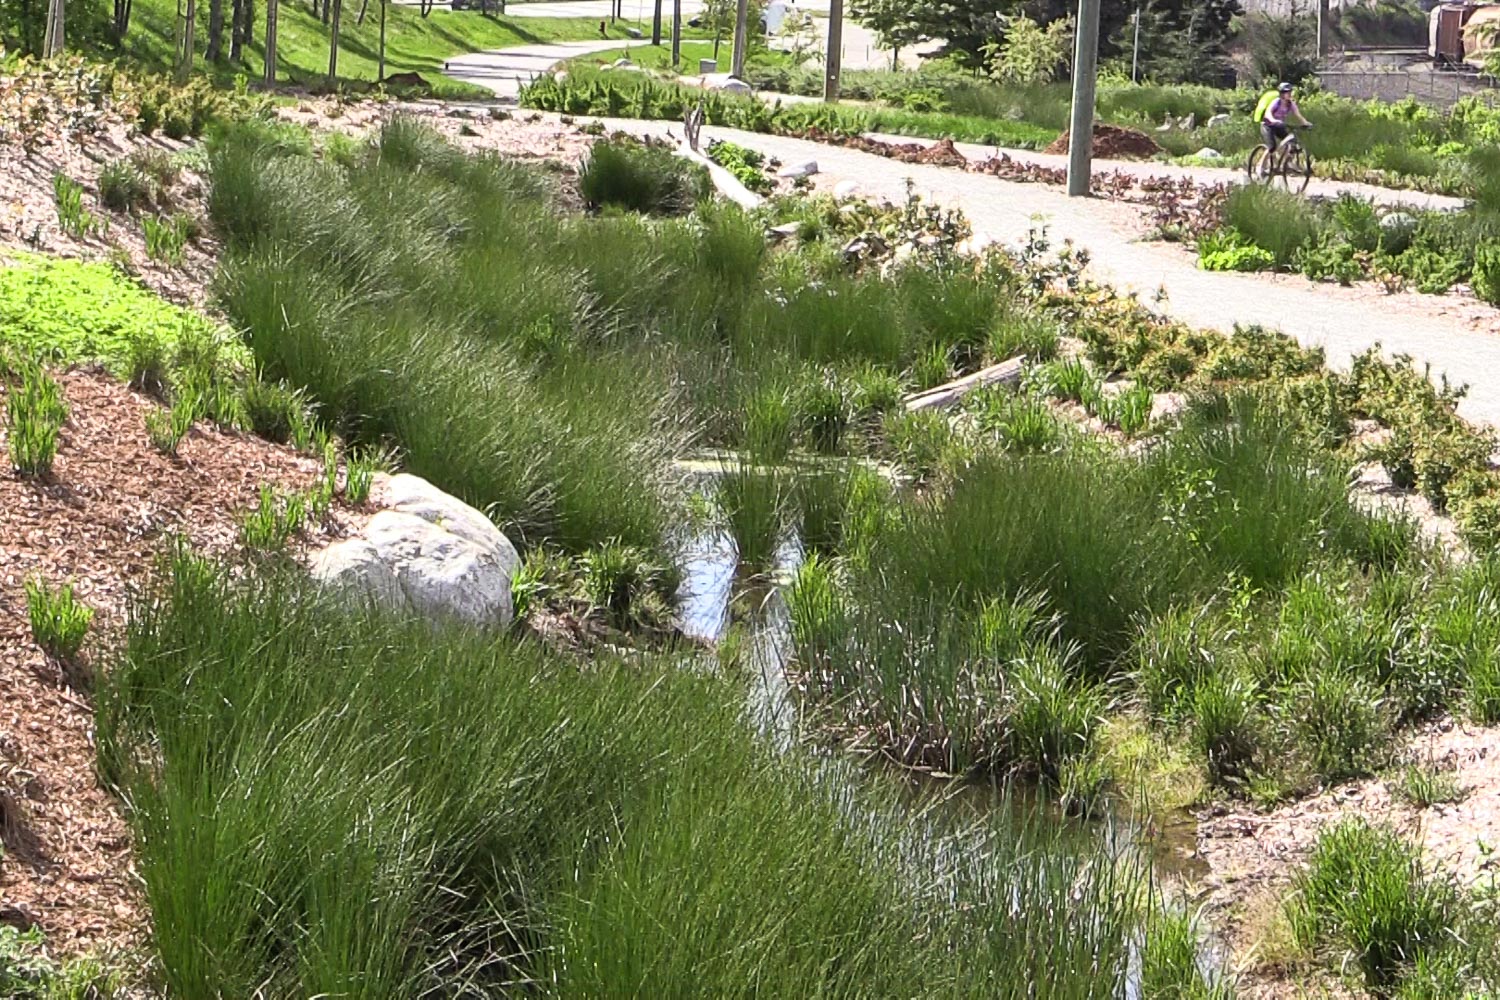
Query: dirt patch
(1113,143)
(111,503)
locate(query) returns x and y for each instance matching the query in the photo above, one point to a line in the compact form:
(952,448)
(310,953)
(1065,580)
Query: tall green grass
(548,367)
(331,802)
(1095,541)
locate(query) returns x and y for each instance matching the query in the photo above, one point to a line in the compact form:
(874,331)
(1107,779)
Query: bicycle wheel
(1253,165)
(1297,170)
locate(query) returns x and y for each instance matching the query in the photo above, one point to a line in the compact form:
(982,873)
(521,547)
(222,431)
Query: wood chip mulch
(99,520)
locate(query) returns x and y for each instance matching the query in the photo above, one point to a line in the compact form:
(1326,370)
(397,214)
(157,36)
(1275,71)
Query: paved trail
(1456,336)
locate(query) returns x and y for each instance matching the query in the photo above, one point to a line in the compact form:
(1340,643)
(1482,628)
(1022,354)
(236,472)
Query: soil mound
(99,520)
(1113,143)
(940,154)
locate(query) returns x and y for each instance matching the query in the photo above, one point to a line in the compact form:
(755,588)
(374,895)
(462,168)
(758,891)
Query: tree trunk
(381,73)
(333,44)
(269,77)
(215,49)
(656,23)
(188,25)
(54,38)
(364,5)
(121,23)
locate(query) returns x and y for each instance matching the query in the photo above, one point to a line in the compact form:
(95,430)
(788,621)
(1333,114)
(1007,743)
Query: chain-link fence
(1440,89)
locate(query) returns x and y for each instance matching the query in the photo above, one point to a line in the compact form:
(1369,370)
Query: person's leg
(1268,137)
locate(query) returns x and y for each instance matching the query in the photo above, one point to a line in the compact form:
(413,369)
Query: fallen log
(949,394)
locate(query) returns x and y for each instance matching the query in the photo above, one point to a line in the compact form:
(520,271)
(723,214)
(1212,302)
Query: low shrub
(1276,221)
(1341,724)
(641,178)
(123,187)
(72,217)
(59,621)
(165,237)
(1226,726)
(620,581)
(747,165)
(1487,273)
(1227,250)
(276,411)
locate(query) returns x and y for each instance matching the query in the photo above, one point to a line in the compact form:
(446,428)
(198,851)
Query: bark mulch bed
(109,507)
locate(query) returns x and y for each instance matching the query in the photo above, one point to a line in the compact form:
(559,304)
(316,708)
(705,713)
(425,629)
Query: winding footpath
(1455,335)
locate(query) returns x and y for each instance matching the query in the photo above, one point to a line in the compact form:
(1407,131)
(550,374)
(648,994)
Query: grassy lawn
(413,43)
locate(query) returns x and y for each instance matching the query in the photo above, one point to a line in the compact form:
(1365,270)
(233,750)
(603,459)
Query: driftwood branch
(1005,373)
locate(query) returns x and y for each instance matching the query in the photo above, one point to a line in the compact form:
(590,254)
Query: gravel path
(505,71)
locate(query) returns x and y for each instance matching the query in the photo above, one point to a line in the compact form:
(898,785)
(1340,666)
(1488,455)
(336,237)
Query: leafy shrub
(59,621)
(1487,273)
(747,165)
(641,178)
(1227,250)
(1021,423)
(35,410)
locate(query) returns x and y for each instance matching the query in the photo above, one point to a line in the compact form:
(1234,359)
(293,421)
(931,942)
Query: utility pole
(741,40)
(676,32)
(1135,49)
(656,23)
(1085,79)
(834,64)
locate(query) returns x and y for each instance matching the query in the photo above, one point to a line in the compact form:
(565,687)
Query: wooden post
(741,39)
(381,76)
(1081,125)
(833,65)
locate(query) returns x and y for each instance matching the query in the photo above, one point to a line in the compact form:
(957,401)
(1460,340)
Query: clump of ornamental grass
(59,621)
(35,412)
(346,776)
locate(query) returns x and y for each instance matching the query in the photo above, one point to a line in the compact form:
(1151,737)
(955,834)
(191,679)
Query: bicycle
(1293,166)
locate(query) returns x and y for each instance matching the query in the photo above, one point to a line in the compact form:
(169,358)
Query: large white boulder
(425,551)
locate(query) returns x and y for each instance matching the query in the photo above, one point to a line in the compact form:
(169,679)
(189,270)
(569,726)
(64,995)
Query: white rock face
(794,170)
(428,552)
(1209,153)
(846,190)
(1217,120)
(726,83)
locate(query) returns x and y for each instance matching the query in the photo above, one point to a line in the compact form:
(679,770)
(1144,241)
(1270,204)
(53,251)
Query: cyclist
(1271,114)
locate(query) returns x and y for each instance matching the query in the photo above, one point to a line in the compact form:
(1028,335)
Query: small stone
(794,170)
(1209,153)
(1216,121)
(846,190)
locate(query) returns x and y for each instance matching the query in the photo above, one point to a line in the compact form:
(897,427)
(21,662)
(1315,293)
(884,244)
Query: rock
(634,33)
(1209,153)
(1398,221)
(622,64)
(1216,121)
(428,552)
(794,170)
(561,76)
(846,191)
(785,231)
(726,83)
